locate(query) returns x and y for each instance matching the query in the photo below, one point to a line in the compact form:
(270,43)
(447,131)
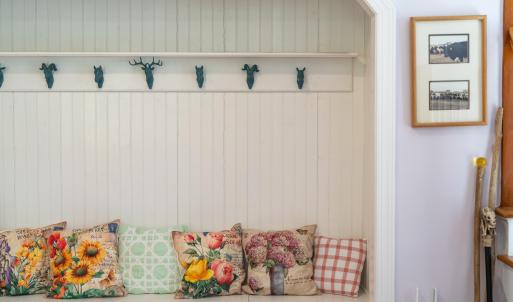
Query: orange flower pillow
(84,263)
(213,263)
(24,260)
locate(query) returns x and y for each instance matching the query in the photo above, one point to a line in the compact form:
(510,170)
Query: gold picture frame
(448,65)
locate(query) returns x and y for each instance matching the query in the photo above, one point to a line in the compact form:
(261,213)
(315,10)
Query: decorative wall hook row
(250,74)
(200,77)
(48,70)
(98,75)
(1,76)
(148,69)
(300,77)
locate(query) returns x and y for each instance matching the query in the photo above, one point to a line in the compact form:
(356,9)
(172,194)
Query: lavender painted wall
(435,176)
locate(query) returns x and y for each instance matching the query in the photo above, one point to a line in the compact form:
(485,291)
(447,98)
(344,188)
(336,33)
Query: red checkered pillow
(338,265)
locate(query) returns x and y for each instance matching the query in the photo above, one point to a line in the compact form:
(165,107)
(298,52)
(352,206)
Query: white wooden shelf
(186,54)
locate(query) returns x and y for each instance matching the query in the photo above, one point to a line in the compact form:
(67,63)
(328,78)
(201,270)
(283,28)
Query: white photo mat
(449,91)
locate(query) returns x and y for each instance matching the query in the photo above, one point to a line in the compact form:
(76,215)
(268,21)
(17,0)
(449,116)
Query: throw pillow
(280,262)
(84,263)
(338,265)
(24,261)
(213,263)
(147,260)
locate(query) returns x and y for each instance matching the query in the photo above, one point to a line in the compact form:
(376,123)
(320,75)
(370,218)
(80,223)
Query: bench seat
(167,298)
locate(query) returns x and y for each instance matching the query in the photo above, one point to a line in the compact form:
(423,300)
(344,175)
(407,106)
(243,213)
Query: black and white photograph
(449,95)
(449,49)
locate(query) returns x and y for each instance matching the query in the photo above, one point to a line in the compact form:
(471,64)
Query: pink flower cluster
(281,247)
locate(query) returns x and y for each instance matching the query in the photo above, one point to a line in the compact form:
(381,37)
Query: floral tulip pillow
(213,263)
(84,263)
(280,262)
(24,260)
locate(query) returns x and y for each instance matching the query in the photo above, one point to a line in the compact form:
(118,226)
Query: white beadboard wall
(268,160)
(180,25)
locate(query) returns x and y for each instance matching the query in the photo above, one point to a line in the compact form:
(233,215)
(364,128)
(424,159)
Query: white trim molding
(383,36)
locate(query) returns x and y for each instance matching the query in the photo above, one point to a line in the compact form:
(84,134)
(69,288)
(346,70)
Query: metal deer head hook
(1,76)
(200,77)
(300,77)
(250,72)
(48,72)
(98,76)
(148,69)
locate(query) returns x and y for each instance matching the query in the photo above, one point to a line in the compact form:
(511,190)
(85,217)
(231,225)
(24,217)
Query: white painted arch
(383,35)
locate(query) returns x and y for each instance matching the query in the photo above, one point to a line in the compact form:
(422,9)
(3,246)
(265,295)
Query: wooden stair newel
(507,103)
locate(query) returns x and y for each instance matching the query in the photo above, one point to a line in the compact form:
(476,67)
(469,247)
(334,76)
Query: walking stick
(488,222)
(480,163)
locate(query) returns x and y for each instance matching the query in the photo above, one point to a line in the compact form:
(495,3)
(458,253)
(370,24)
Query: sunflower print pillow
(213,263)
(24,262)
(84,263)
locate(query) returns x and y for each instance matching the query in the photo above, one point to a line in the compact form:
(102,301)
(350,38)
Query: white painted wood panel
(179,25)
(272,158)
(205,159)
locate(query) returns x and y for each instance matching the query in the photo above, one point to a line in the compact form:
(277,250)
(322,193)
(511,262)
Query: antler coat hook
(48,72)
(200,77)
(148,69)
(98,76)
(1,76)
(300,77)
(250,72)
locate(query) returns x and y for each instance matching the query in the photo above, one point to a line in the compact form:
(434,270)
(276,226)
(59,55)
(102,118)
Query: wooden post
(480,163)
(507,103)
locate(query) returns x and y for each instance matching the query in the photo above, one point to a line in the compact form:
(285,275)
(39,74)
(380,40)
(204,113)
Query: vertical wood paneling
(184,159)
(100,24)
(102,158)
(242,35)
(171,155)
(148,25)
(77,26)
(65,25)
(159,161)
(183,23)
(113,25)
(136,30)
(148,155)
(209,160)
(113,153)
(171,25)
(159,25)
(137,156)
(91,205)
(18,9)
(180,25)
(125,156)
(6,23)
(54,157)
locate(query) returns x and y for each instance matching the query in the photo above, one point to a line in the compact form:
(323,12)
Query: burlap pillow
(213,263)
(280,262)
(24,260)
(84,263)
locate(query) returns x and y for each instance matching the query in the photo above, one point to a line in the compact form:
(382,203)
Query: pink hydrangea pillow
(280,262)
(338,265)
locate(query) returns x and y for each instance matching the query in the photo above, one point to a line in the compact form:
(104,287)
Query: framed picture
(448,71)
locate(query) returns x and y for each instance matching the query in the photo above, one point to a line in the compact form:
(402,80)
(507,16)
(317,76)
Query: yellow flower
(22,283)
(35,255)
(80,273)
(91,252)
(22,252)
(60,262)
(197,271)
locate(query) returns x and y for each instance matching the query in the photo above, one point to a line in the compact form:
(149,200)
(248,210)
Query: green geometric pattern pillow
(147,259)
